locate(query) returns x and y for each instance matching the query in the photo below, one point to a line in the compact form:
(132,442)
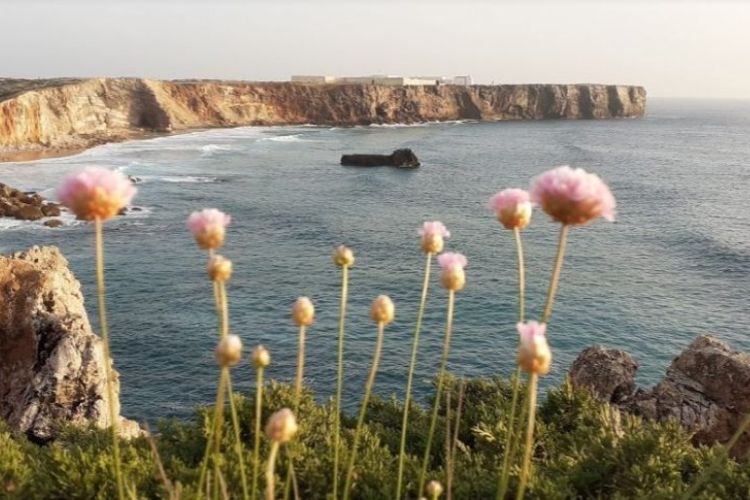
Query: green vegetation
(583,450)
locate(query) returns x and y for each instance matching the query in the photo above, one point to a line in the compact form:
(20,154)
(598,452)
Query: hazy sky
(674,48)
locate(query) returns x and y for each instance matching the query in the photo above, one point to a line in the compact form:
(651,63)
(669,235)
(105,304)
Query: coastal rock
(608,373)
(706,389)
(53,223)
(48,116)
(402,158)
(51,363)
(25,206)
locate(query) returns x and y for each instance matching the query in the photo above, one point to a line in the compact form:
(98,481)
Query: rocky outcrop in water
(401,158)
(706,388)
(51,363)
(27,206)
(69,114)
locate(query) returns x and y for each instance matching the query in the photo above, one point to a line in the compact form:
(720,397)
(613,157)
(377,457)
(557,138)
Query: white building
(389,80)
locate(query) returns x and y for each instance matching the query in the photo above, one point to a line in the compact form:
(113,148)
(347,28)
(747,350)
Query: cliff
(68,114)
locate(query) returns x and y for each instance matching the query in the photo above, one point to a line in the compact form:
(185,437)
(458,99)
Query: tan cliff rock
(51,363)
(75,114)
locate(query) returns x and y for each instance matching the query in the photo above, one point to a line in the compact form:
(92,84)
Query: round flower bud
(219,269)
(534,355)
(343,256)
(229,351)
(303,312)
(512,207)
(281,426)
(382,310)
(260,357)
(573,196)
(452,276)
(432,234)
(434,489)
(209,227)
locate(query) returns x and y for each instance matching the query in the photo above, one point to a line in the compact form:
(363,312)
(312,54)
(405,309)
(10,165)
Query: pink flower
(432,234)
(208,227)
(452,276)
(512,207)
(572,195)
(534,355)
(96,193)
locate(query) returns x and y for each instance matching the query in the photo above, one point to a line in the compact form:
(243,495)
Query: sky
(674,48)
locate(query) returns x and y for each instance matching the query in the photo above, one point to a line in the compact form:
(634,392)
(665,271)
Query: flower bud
(512,207)
(219,269)
(432,234)
(229,351)
(303,312)
(382,310)
(281,426)
(260,357)
(343,256)
(534,355)
(452,276)
(434,489)
(209,227)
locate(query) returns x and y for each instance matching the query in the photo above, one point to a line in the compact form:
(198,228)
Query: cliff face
(70,114)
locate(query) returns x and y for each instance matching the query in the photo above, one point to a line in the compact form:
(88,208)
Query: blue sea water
(676,263)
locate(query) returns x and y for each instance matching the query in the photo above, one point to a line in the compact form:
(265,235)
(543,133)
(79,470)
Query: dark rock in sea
(53,223)
(51,362)
(706,389)
(402,158)
(51,210)
(25,205)
(28,212)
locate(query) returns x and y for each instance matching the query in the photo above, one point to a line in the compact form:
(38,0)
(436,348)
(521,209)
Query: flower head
(382,310)
(434,489)
(303,312)
(452,275)
(219,269)
(572,195)
(432,234)
(260,357)
(343,256)
(281,426)
(534,355)
(96,193)
(229,350)
(512,207)
(208,227)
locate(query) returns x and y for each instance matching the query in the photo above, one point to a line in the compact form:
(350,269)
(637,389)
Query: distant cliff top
(63,115)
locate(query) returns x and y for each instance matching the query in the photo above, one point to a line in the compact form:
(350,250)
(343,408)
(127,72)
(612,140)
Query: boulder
(706,389)
(28,212)
(51,210)
(402,158)
(53,223)
(51,362)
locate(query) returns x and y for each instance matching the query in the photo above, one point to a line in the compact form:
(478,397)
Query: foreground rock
(54,116)
(25,206)
(401,158)
(51,363)
(706,389)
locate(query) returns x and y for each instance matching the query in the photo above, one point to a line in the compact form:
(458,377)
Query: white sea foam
(286,138)
(177,179)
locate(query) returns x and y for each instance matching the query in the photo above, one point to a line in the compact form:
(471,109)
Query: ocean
(675,264)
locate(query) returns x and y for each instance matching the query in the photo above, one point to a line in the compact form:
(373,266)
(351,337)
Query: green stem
(101,295)
(363,409)
(555,279)
(300,368)
(707,471)
(237,438)
(529,437)
(509,449)
(410,375)
(215,431)
(224,319)
(339,379)
(256,445)
(441,377)
(270,479)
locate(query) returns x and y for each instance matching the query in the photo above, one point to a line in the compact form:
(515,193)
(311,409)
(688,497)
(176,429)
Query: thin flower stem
(454,445)
(238,439)
(101,295)
(707,471)
(256,445)
(441,377)
(339,378)
(300,368)
(529,437)
(210,440)
(224,309)
(448,436)
(510,441)
(410,375)
(270,477)
(555,279)
(363,408)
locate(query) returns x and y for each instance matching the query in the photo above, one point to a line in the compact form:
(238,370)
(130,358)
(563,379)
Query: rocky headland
(46,117)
